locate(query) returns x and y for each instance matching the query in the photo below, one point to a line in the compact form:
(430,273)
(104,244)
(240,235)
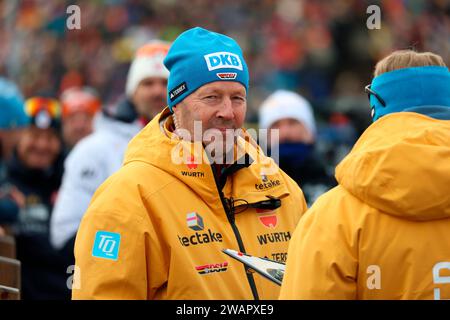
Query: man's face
(8,141)
(291,130)
(38,148)
(76,126)
(150,97)
(218,105)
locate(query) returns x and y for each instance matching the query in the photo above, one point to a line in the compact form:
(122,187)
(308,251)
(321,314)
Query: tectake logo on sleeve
(223,60)
(106,245)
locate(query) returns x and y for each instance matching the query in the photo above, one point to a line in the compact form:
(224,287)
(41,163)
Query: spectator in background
(79,106)
(147,80)
(35,170)
(13,120)
(101,154)
(319,47)
(384,231)
(292,115)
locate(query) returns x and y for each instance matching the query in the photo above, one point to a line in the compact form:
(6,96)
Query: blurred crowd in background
(322,50)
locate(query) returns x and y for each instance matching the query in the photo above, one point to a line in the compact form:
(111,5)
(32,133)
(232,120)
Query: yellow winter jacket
(155,229)
(384,231)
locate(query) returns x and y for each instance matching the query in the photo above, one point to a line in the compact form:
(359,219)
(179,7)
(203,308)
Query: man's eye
(239,98)
(211,97)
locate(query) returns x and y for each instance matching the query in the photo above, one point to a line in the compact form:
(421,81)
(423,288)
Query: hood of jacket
(401,166)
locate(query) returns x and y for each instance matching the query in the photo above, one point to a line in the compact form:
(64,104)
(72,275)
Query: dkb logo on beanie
(220,60)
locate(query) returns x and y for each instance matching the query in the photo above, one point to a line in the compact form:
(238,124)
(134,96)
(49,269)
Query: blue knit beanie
(12,112)
(198,57)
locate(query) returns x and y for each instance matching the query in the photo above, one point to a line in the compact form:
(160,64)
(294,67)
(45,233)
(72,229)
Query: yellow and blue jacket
(384,231)
(155,229)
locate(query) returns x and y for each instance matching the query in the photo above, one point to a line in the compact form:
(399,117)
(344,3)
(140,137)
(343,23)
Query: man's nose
(226,111)
(41,143)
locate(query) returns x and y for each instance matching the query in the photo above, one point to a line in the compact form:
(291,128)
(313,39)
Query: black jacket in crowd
(44,269)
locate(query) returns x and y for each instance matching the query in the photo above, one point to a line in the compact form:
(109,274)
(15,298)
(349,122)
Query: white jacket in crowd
(90,163)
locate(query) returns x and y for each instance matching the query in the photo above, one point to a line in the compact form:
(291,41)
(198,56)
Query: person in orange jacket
(156,228)
(384,231)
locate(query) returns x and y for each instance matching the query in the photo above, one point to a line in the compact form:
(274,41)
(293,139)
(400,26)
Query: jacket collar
(435,112)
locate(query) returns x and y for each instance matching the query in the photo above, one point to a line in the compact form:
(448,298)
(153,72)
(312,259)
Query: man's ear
(175,107)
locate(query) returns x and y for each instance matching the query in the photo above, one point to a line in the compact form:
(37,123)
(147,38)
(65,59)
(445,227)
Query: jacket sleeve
(322,257)
(117,252)
(84,172)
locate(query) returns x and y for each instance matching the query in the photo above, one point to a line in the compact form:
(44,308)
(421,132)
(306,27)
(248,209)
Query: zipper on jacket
(229,210)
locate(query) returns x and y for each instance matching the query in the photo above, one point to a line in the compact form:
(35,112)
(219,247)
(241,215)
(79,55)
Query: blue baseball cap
(198,57)
(12,111)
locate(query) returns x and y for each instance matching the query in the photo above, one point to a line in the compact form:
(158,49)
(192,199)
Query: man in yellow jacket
(384,231)
(156,228)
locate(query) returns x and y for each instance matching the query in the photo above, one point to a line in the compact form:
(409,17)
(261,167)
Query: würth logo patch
(274,237)
(191,163)
(227,75)
(192,166)
(178,91)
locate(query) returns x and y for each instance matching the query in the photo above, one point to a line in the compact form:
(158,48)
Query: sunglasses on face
(369,92)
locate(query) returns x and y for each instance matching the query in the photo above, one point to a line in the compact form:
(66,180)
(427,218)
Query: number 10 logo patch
(106,245)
